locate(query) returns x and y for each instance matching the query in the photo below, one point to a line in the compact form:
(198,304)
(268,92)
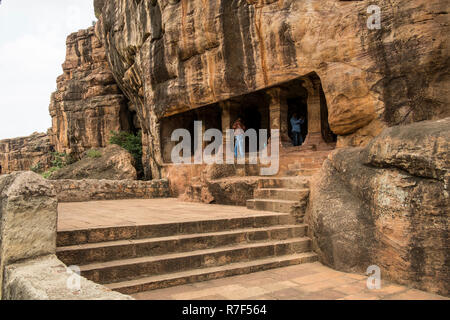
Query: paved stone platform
(305,281)
(114,213)
(309,281)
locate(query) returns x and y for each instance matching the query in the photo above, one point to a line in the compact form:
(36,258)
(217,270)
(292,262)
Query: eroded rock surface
(228,191)
(28,215)
(171,56)
(88,104)
(46,278)
(24,153)
(388,205)
(112,163)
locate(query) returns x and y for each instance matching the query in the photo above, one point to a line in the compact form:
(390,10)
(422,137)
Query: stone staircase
(285,194)
(289,192)
(133,259)
(305,163)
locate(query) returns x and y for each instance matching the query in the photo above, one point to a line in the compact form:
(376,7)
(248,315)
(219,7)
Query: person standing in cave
(297,130)
(239,130)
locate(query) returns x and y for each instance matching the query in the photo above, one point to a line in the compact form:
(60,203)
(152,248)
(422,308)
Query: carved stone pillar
(230,111)
(226,116)
(279,113)
(203,117)
(314,137)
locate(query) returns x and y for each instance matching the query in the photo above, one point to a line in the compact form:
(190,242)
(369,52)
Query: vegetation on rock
(110,163)
(59,161)
(94,153)
(133,144)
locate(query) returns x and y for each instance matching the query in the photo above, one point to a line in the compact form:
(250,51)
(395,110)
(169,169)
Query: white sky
(32,49)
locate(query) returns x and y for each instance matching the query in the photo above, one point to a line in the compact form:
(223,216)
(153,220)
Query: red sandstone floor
(310,281)
(96,214)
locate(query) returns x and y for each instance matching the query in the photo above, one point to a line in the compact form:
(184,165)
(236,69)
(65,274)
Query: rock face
(112,163)
(387,205)
(88,104)
(24,153)
(170,56)
(28,214)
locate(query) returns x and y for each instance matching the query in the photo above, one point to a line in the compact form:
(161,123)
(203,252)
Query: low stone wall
(29,268)
(89,189)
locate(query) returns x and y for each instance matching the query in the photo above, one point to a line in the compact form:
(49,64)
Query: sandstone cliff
(88,104)
(86,107)
(24,153)
(168,56)
(388,205)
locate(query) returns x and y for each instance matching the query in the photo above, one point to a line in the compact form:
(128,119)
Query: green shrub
(59,160)
(37,168)
(133,144)
(49,172)
(93,153)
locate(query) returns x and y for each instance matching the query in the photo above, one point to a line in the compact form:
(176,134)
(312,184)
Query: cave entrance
(298,106)
(305,97)
(253,109)
(210,116)
(270,108)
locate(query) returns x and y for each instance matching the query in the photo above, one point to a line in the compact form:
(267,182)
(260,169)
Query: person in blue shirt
(297,130)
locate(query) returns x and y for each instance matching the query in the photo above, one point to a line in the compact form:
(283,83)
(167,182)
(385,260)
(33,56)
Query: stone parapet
(90,190)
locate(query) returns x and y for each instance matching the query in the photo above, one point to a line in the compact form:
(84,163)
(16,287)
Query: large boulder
(28,215)
(388,205)
(229,191)
(111,163)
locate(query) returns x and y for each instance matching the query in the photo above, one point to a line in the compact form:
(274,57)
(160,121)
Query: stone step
(303,172)
(273,205)
(128,269)
(285,182)
(304,165)
(281,194)
(127,249)
(299,152)
(204,274)
(95,235)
